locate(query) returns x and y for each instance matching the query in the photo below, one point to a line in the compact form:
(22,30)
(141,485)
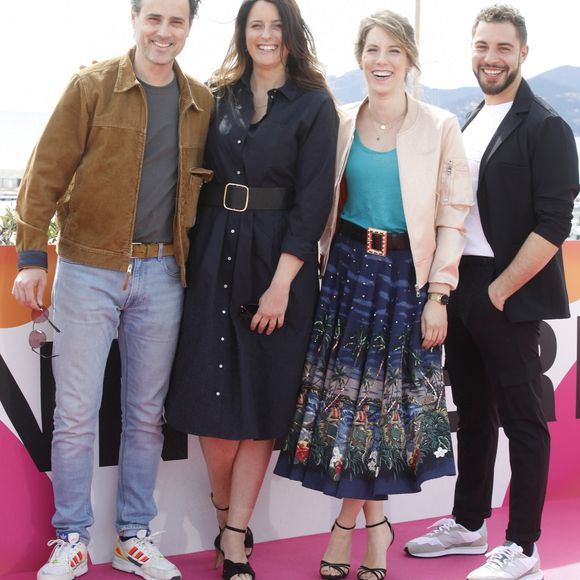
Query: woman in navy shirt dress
(253,263)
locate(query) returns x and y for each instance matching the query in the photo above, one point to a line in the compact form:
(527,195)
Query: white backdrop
(284,509)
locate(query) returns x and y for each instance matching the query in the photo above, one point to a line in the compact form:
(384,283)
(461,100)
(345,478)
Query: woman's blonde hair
(396,25)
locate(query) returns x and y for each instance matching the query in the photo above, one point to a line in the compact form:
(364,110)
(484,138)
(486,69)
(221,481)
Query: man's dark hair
(193,6)
(503,13)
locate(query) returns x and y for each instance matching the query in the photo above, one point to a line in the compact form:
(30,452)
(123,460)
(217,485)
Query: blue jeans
(91,309)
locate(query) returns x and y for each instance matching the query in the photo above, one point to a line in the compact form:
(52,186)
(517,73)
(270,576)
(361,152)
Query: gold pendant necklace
(388,126)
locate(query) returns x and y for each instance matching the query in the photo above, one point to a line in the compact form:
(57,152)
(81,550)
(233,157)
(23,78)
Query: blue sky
(45,40)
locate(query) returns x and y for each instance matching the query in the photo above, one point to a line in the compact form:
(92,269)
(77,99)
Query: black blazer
(528,179)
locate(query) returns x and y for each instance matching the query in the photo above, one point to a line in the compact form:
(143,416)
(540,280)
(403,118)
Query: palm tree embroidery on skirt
(371,416)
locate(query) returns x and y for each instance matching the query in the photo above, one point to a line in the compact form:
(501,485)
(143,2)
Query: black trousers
(495,373)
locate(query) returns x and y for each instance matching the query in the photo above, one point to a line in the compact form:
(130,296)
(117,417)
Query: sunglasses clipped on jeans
(37,338)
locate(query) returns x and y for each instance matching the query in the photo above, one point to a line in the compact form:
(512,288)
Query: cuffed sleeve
(32,259)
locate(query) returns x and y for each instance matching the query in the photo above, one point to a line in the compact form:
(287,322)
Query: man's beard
(496,88)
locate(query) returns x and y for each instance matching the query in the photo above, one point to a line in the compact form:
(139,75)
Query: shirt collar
(126,79)
(290,89)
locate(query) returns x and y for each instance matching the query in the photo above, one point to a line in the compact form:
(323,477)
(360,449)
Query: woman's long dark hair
(302,64)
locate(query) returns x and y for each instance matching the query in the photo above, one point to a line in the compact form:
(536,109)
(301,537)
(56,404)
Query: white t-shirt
(476,138)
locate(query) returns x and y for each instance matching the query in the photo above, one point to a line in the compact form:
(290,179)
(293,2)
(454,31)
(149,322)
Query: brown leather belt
(238,197)
(139,250)
(377,242)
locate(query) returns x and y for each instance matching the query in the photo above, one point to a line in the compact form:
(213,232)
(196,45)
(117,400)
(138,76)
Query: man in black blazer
(524,168)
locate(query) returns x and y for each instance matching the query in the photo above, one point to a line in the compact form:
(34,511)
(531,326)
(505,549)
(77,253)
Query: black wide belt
(237,197)
(377,242)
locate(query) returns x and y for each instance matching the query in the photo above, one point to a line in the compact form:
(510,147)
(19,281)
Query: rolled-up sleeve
(554,180)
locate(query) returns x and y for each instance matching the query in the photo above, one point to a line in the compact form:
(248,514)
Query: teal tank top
(374,189)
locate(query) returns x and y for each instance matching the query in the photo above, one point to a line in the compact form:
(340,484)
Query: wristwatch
(438,297)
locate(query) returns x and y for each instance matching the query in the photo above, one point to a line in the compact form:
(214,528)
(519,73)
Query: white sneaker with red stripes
(67,561)
(140,556)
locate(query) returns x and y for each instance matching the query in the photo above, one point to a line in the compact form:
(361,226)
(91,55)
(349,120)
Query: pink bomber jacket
(435,184)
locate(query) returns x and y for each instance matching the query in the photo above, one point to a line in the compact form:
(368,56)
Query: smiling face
(384,62)
(497,56)
(265,38)
(160,28)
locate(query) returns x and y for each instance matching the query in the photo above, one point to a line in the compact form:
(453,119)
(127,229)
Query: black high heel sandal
(248,540)
(341,570)
(378,573)
(219,554)
(232,569)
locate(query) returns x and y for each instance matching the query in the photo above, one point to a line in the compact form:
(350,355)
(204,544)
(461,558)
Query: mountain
(560,87)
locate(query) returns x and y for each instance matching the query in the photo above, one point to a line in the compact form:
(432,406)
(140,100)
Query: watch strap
(438,297)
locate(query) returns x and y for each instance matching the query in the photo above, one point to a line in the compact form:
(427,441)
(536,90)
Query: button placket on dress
(223,334)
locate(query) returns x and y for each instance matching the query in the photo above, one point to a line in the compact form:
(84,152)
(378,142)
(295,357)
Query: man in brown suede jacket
(119,161)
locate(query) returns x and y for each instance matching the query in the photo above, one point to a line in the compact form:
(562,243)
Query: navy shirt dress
(228,381)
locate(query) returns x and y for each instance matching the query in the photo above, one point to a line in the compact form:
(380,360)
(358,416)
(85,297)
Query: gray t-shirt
(156,201)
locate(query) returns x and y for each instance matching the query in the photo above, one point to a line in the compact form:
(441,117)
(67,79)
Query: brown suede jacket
(87,167)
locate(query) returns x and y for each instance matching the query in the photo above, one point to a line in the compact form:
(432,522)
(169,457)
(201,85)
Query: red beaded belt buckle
(376,242)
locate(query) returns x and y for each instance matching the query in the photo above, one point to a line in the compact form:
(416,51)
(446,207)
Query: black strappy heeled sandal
(217,543)
(232,569)
(378,573)
(341,569)
(248,540)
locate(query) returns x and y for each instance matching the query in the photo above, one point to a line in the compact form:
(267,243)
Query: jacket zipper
(128,274)
(177,215)
(130,266)
(448,178)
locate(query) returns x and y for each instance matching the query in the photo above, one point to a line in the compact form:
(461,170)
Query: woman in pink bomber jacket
(371,417)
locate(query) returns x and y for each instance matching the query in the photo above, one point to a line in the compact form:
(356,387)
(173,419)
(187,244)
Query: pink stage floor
(297,558)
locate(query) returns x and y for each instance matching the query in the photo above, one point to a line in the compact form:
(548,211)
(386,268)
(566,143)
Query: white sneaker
(508,562)
(448,537)
(140,556)
(67,561)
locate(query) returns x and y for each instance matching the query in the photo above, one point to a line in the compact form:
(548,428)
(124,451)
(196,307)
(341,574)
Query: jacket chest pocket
(455,183)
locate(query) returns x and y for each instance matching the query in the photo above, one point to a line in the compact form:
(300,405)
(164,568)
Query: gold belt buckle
(372,234)
(247,189)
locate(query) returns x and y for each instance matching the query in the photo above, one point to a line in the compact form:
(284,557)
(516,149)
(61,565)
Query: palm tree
(358,343)
(337,334)
(320,332)
(380,345)
(338,379)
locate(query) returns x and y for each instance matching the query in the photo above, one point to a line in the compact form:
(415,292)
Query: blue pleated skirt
(371,417)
